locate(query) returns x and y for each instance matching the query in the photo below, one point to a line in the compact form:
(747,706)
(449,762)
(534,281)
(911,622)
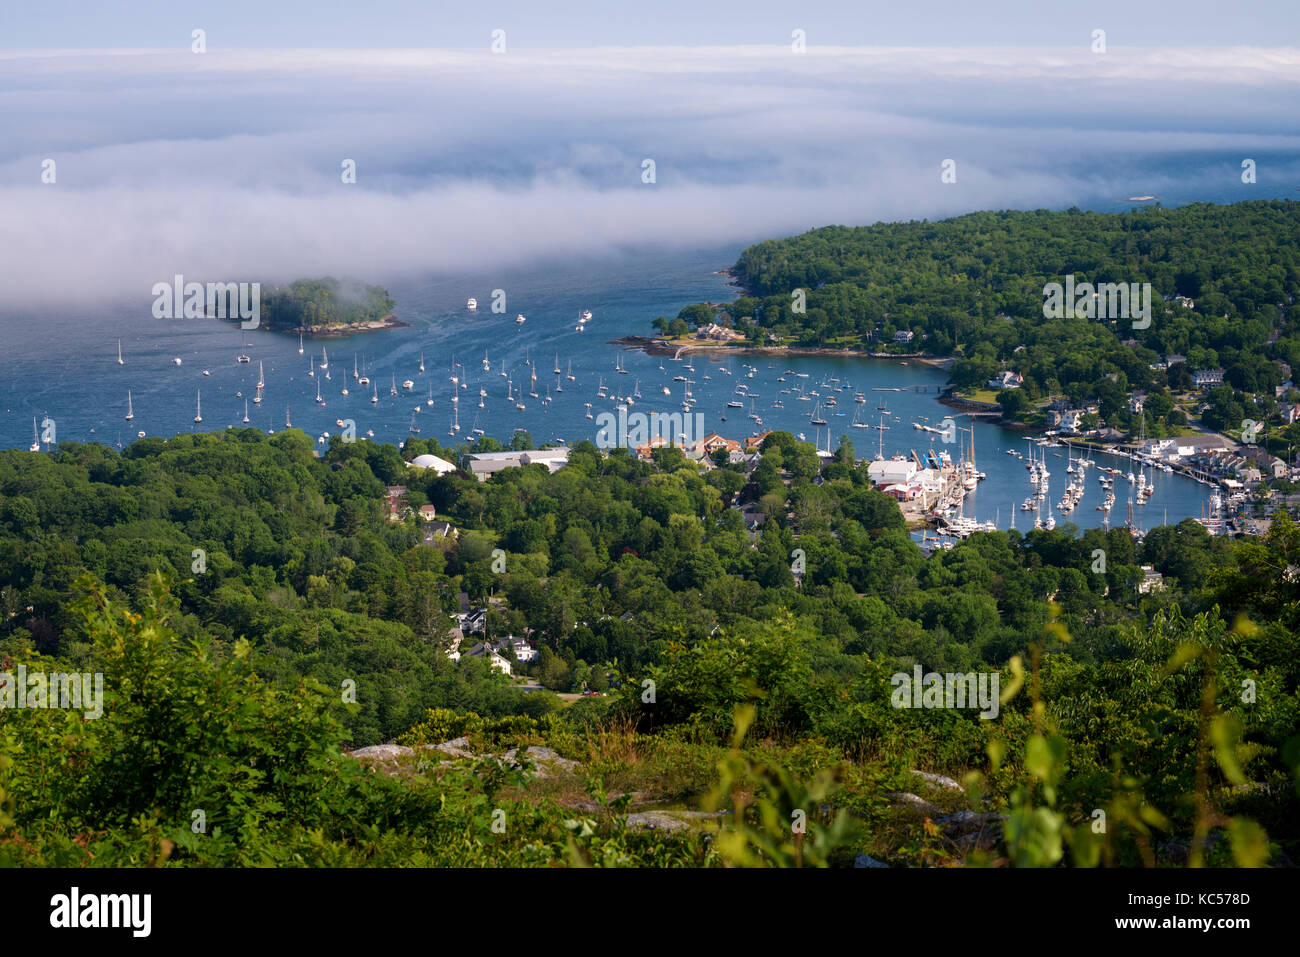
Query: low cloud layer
(226,166)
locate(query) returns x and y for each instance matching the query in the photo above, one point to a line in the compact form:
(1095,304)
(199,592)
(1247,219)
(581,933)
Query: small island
(328,307)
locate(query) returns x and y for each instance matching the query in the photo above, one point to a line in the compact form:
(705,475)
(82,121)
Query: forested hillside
(973,287)
(622,572)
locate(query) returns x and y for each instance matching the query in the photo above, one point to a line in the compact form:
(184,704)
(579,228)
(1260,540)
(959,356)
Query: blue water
(67,370)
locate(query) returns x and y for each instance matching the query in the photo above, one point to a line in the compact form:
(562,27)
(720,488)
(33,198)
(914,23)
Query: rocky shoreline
(342,332)
(660,347)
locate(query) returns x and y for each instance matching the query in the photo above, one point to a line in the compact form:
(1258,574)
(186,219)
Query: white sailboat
(429,401)
(374,399)
(324,358)
(287,423)
(393,389)
(198,407)
(299,343)
(36,439)
(246,412)
(421,361)
(119,352)
(130,413)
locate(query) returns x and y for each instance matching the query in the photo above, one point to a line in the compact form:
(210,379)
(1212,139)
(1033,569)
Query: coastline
(340,332)
(659,347)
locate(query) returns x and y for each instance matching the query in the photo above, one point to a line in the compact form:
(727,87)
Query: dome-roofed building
(441,466)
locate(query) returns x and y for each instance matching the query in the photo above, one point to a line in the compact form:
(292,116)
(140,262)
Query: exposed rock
(456,748)
(546,761)
(971,831)
(866,860)
(656,821)
(938,780)
(382,752)
(911,800)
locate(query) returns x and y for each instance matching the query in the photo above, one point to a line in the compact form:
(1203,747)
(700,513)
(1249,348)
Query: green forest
(323,304)
(255,614)
(972,287)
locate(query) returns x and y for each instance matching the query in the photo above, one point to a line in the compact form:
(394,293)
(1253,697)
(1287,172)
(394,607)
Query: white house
(1152,580)
(891,471)
(522,649)
(904,335)
(1006,380)
(482,650)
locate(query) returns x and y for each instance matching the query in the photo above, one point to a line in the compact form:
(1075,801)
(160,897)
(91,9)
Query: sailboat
(198,407)
(556,370)
(300,343)
(571,376)
(375,398)
(130,414)
(429,401)
(287,423)
(324,358)
(414,429)
(312,371)
(816,416)
(421,361)
(36,440)
(318,398)
(119,352)
(393,389)
(243,356)
(487,366)
(246,412)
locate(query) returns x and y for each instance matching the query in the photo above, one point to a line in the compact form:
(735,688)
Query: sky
(133,24)
(128,157)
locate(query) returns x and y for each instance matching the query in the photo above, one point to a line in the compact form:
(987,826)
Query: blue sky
(116,24)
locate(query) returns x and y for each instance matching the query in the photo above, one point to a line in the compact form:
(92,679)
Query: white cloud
(226,165)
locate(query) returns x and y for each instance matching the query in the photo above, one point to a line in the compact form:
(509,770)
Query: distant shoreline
(659,347)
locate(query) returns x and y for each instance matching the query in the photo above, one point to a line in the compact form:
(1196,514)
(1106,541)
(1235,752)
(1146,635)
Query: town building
(483,465)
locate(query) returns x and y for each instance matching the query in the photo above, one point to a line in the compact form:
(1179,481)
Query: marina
(818,398)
